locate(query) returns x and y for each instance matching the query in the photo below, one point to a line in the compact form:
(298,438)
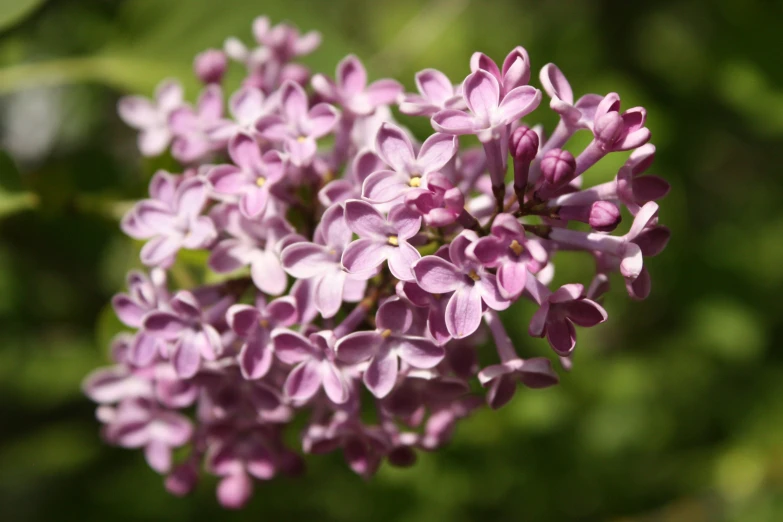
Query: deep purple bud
(210,66)
(558,167)
(182,479)
(604,216)
(523,146)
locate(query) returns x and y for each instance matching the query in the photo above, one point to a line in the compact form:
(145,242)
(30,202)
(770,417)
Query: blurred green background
(674,411)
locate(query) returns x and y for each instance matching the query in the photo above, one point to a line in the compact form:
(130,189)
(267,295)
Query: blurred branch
(418,34)
(124,73)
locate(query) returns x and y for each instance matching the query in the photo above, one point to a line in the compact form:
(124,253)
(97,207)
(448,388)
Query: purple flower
(559,312)
(187,327)
(179,224)
(573,115)
(210,66)
(254,243)
(381,239)
(472,285)
(435,305)
(315,366)
(253,177)
(617,132)
(246,106)
(190,126)
(298,127)
(254,324)
(140,423)
(436,93)
(284,40)
(489,112)
(388,343)
(236,459)
(409,169)
(320,261)
(515,72)
(440,203)
(502,378)
(633,189)
(351,90)
(512,254)
(151,118)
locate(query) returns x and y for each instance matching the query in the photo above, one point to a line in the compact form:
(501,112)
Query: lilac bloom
(170,227)
(513,255)
(490,113)
(254,324)
(614,131)
(298,127)
(210,66)
(502,378)
(114,384)
(408,169)
(187,326)
(254,243)
(436,93)
(381,239)
(440,203)
(315,366)
(386,345)
(247,106)
(472,285)
(351,90)
(559,312)
(320,261)
(140,423)
(515,72)
(237,457)
(253,176)
(190,125)
(151,118)
(350,185)
(363,446)
(435,305)
(633,189)
(573,115)
(284,40)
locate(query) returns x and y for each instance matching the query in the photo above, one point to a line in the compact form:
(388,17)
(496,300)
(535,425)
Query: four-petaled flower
(152,118)
(351,89)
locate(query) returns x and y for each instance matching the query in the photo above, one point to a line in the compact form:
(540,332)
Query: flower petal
(436,275)
(463,312)
(381,375)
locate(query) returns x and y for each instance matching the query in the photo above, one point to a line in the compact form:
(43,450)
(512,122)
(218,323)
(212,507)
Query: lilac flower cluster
(349,256)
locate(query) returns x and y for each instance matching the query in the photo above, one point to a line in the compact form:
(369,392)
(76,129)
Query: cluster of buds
(356,271)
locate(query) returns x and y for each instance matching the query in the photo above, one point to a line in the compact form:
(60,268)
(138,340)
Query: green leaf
(14,11)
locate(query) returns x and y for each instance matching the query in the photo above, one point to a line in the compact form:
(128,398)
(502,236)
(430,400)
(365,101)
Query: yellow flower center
(393,241)
(474,276)
(264,323)
(301,139)
(436,297)
(386,333)
(516,247)
(415,181)
(260,181)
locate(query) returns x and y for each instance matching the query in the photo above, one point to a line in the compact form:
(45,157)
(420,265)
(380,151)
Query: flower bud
(558,167)
(182,479)
(523,146)
(608,129)
(210,66)
(604,216)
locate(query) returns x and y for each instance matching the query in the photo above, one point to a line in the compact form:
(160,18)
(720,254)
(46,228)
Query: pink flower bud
(210,66)
(604,216)
(558,167)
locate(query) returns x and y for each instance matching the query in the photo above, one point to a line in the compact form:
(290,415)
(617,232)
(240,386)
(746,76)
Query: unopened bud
(558,167)
(210,66)
(604,216)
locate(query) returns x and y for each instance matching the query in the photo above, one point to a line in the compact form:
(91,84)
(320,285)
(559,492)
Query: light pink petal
(436,275)
(183,121)
(138,112)
(127,310)
(254,201)
(255,358)
(293,101)
(405,221)
(324,86)
(394,315)
(160,249)
(480,61)
(632,261)
(291,347)
(394,147)
(229,255)
(453,121)
(243,319)
(401,260)
(155,216)
(351,76)
(355,288)
(463,312)
(267,272)
(565,293)
(334,384)
(169,95)
(364,220)
(357,347)
(482,94)
(518,103)
(329,293)
(487,250)
(111,385)
(301,151)
(304,381)
(234,490)
(210,103)
(436,151)
(516,69)
(381,376)
(247,104)
(323,118)
(153,141)
(228,179)
(420,352)
(186,359)
(555,83)
(245,152)
(144,349)
(305,260)
(333,227)
(435,86)
(384,186)
(191,196)
(272,128)
(365,254)
(490,294)
(307,43)
(158,456)
(511,278)
(383,92)
(200,234)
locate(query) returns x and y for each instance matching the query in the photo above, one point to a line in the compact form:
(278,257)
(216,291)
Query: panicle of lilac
(341,253)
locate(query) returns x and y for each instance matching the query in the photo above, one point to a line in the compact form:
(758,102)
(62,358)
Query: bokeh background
(675,409)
